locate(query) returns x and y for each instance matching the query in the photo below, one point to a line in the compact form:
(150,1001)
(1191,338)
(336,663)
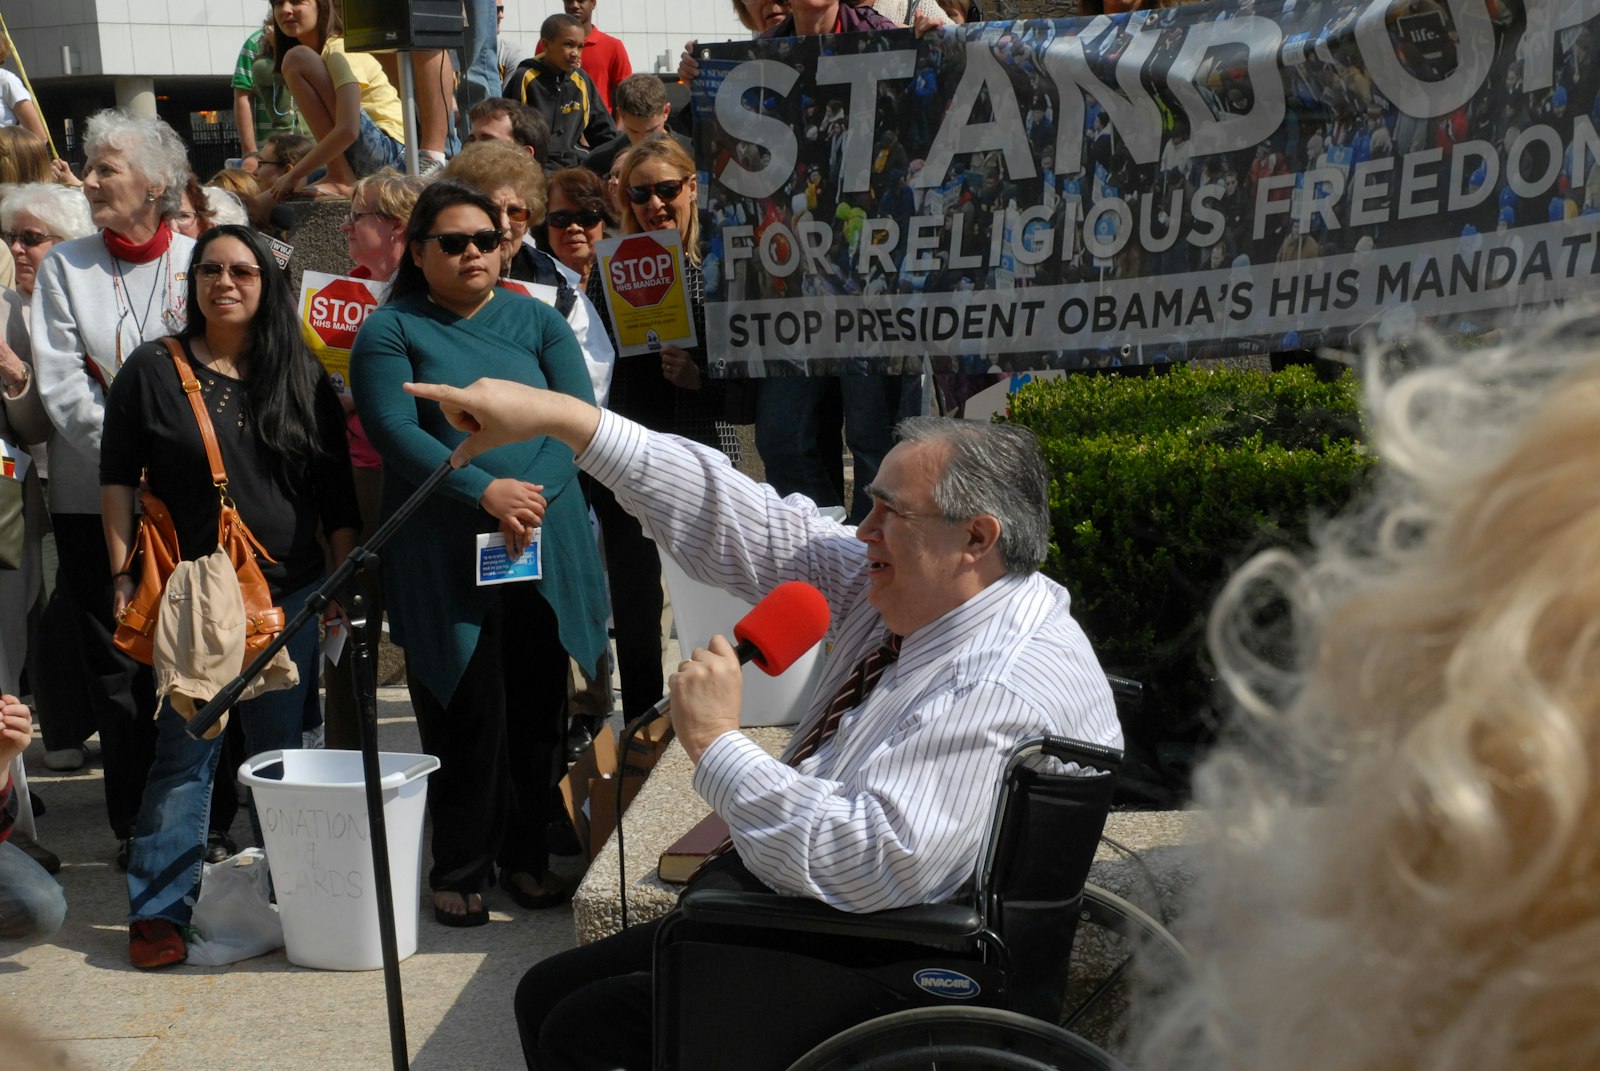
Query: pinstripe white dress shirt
(892,810)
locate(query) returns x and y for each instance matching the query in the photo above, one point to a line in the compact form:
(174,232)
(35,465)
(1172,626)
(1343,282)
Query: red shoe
(156,943)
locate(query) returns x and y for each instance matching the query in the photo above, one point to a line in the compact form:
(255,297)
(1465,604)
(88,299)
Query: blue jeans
(480,57)
(374,150)
(786,431)
(169,841)
(32,905)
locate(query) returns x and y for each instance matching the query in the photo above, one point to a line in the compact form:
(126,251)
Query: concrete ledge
(667,807)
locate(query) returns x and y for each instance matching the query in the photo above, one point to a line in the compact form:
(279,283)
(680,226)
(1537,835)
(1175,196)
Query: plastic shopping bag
(235,918)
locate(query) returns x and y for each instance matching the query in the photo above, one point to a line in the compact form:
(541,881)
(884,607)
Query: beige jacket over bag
(199,642)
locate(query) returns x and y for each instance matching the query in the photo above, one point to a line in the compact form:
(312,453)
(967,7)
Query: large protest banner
(1197,181)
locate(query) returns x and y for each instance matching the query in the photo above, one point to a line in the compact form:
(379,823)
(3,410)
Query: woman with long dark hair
(280,432)
(487,665)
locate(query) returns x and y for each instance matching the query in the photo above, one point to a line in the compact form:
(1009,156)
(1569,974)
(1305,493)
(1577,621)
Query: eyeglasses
(183,217)
(211,271)
(352,218)
(29,239)
(563,219)
(668,191)
(516,213)
(262,161)
(454,243)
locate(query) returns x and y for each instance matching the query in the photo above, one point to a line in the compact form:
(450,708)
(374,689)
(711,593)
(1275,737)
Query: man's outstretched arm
(494,412)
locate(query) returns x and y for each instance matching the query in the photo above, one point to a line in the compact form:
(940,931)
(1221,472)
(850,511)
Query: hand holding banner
(649,302)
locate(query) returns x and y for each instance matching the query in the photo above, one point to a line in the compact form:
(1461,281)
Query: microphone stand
(342,585)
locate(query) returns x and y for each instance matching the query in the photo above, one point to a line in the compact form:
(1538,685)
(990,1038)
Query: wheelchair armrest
(922,923)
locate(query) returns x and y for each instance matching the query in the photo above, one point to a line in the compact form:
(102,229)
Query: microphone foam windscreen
(784,625)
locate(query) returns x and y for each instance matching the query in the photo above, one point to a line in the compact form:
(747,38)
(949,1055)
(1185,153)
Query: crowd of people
(1412,773)
(560,149)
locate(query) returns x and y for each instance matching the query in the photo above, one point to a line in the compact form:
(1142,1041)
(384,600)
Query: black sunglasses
(563,219)
(668,191)
(454,243)
(29,239)
(211,271)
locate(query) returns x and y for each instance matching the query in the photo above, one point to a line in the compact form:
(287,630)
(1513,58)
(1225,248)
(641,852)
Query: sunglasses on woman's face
(211,271)
(29,239)
(454,243)
(563,219)
(668,191)
(516,213)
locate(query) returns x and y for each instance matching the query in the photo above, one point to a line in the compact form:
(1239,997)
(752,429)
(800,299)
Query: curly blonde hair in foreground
(1407,871)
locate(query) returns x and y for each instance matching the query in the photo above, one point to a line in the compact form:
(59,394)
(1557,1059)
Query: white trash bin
(314,823)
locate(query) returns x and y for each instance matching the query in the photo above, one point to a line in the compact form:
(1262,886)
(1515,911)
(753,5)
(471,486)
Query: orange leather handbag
(155,549)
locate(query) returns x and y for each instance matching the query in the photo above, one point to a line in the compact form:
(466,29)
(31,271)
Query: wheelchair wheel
(1120,952)
(956,1039)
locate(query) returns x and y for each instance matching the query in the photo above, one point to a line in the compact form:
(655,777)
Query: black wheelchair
(757,981)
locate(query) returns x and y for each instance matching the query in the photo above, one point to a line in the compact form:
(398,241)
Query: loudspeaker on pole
(402,25)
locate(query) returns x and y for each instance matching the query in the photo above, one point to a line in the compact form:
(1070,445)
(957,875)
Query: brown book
(680,861)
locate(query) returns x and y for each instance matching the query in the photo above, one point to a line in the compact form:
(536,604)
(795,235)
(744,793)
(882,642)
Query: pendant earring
(149,197)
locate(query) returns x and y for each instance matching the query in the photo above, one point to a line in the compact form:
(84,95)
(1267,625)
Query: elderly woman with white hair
(34,218)
(95,300)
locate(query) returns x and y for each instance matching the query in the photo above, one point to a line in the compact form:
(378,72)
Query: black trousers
(633,569)
(121,690)
(499,742)
(589,1008)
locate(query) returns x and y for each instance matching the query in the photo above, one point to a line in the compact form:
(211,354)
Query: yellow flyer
(332,309)
(646,292)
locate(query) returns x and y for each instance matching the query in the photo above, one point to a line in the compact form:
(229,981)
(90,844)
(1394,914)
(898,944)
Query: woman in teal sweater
(487,664)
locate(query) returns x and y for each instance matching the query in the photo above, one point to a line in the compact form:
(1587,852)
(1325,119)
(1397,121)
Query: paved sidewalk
(80,993)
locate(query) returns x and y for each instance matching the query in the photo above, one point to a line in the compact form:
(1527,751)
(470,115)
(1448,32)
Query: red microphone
(774,634)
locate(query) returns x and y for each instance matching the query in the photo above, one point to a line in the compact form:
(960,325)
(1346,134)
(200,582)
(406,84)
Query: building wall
(122,38)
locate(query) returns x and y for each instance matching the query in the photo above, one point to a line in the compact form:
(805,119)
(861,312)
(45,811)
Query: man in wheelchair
(948,649)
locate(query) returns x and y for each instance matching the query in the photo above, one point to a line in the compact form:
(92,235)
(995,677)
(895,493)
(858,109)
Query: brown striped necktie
(851,694)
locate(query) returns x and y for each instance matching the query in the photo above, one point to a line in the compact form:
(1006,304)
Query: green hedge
(1160,485)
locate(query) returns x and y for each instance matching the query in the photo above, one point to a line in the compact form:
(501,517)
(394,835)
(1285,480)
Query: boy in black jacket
(555,84)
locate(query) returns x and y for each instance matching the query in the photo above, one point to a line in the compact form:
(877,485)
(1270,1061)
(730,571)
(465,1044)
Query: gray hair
(154,150)
(996,469)
(224,206)
(64,211)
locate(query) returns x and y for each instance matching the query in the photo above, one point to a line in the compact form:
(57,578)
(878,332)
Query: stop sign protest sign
(642,272)
(337,311)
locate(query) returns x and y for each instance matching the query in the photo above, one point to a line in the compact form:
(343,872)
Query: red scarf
(138,253)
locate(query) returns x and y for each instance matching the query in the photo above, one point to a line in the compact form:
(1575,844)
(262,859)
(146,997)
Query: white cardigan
(77,312)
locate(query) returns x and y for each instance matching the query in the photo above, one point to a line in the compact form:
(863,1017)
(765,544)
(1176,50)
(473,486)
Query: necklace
(125,309)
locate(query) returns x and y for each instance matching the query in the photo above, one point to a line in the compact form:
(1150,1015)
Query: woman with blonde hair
(24,156)
(1406,872)
(659,191)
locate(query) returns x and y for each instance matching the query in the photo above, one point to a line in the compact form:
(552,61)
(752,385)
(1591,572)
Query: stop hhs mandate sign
(642,272)
(338,310)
